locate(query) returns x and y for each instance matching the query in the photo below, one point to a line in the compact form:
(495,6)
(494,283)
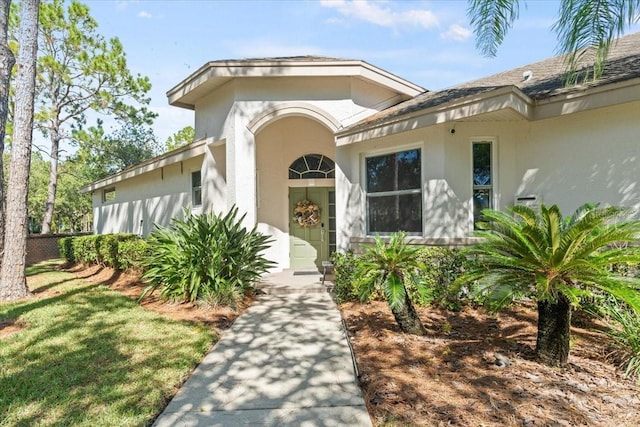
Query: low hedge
(122,251)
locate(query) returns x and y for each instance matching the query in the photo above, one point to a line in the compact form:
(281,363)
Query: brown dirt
(450,376)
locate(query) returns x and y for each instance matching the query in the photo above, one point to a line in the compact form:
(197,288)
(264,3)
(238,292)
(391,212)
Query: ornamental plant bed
(475,369)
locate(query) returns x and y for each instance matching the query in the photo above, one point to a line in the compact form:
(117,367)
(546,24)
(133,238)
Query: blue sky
(427,42)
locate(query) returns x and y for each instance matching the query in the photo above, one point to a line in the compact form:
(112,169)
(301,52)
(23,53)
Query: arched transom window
(312,166)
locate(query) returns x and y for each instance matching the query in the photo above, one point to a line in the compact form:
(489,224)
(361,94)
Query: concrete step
(294,281)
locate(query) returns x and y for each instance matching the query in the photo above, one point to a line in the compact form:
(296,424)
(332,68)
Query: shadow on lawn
(91,354)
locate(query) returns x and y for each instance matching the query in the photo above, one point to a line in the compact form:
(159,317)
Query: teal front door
(310,238)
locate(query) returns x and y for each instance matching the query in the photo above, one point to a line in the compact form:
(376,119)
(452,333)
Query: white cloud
(375,13)
(144,14)
(124,4)
(457,33)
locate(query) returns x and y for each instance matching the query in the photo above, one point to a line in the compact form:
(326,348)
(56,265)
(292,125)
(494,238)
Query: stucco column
(241,171)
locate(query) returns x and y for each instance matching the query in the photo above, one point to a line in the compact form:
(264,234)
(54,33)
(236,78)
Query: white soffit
(507,103)
(217,73)
(178,155)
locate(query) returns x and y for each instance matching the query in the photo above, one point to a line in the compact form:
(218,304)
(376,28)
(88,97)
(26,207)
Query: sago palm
(385,267)
(556,261)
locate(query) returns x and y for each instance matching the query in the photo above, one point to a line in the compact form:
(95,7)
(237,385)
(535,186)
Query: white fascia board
(178,155)
(500,99)
(224,71)
(386,79)
(592,98)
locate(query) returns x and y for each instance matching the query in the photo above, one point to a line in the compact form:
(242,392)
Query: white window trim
(195,208)
(495,193)
(106,191)
(363,181)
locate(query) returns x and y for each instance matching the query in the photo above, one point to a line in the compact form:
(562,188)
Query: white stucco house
(376,153)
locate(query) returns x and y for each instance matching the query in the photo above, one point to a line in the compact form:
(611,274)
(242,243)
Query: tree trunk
(7,61)
(13,284)
(53,178)
(554,331)
(407,318)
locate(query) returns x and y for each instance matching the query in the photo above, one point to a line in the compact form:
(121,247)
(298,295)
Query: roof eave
(194,149)
(227,70)
(508,97)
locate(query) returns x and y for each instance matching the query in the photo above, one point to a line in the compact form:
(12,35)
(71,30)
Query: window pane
(327,165)
(392,172)
(313,160)
(482,163)
(312,166)
(196,179)
(294,175)
(481,200)
(389,214)
(409,170)
(332,196)
(109,195)
(299,165)
(197,196)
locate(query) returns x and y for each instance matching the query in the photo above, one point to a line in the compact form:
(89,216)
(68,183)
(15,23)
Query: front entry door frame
(309,246)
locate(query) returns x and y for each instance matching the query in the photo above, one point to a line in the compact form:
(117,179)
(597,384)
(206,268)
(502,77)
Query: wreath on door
(306,213)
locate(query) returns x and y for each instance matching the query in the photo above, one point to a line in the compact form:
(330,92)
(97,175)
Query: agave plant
(556,261)
(384,267)
(205,256)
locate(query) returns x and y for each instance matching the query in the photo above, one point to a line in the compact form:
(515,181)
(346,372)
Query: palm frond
(394,291)
(626,289)
(491,20)
(591,24)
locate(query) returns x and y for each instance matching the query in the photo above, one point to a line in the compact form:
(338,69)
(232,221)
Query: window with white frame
(196,188)
(482,178)
(312,166)
(394,192)
(108,195)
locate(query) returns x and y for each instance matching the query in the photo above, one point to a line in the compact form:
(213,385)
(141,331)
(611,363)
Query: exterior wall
(141,202)
(278,145)
(591,156)
(229,170)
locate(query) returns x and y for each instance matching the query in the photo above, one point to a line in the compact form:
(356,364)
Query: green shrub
(108,249)
(344,268)
(65,245)
(131,253)
(439,268)
(624,328)
(205,257)
(85,249)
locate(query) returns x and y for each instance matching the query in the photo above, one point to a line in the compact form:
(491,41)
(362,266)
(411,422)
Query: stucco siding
(148,199)
(592,156)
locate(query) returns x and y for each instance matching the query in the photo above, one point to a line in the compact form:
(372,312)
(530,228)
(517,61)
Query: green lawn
(89,356)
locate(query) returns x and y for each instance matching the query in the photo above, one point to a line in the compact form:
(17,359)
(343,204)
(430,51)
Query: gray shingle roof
(547,79)
(303,58)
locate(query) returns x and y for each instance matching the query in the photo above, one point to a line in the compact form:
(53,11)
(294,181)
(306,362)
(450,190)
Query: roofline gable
(215,73)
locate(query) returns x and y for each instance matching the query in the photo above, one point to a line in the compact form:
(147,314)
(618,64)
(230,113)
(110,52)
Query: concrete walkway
(284,362)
